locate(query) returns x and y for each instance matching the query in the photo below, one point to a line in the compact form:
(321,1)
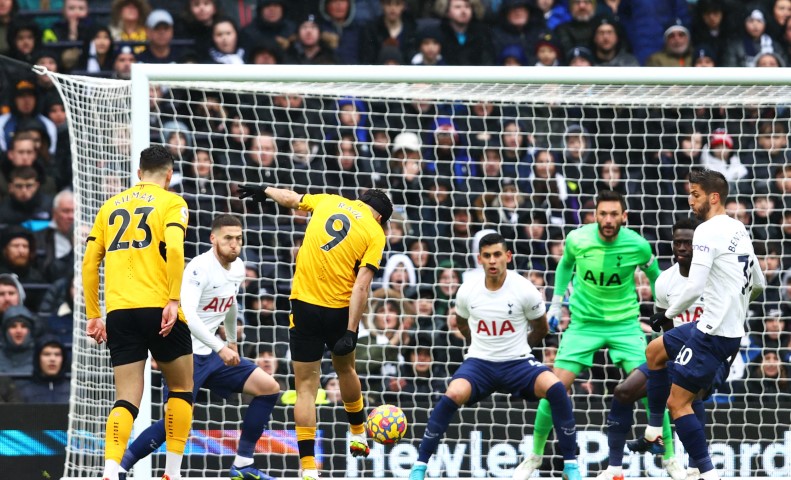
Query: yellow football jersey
(342,236)
(133,232)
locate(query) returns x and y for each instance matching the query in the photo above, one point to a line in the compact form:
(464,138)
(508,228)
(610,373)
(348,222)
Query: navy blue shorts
(516,377)
(700,360)
(210,372)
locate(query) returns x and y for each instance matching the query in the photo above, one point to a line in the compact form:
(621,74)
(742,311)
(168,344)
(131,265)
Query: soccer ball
(386,424)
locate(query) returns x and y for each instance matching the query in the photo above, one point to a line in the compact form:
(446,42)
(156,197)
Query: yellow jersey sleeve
(373,255)
(309,201)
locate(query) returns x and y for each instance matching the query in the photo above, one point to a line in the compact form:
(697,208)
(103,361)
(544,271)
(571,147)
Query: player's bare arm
(539,328)
(464,327)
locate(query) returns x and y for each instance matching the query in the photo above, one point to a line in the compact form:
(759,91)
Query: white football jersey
(208,291)
(668,287)
(723,244)
(498,320)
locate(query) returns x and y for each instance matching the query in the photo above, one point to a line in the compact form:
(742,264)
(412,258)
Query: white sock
(110,469)
(122,470)
(173,465)
(615,470)
(569,462)
(242,461)
(420,463)
(652,432)
(710,475)
(310,473)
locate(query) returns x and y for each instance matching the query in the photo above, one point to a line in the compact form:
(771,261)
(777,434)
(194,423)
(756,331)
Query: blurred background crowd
(453,169)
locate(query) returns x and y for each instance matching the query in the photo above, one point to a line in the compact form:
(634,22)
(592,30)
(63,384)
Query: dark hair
(610,196)
(7,279)
(687,223)
(379,201)
(710,181)
(155,158)
(491,239)
(225,220)
(23,173)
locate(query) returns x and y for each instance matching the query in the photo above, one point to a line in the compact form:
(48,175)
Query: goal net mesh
(457,159)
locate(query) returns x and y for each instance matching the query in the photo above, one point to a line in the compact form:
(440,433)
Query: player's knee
(675,406)
(270,387)
(655,354)
(623,394)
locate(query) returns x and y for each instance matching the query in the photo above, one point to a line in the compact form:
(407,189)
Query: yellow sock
(117,432)
(178,420)
(354,410)
(306,440)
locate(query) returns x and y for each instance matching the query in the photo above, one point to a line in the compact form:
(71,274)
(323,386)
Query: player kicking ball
(499,305)
(208,298)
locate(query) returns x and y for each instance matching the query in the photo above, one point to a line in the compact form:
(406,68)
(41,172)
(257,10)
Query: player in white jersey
(208,298)
(493,311)
(725,274)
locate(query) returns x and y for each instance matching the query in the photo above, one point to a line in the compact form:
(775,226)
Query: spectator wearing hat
(403,174)
(608,45)
(16,353)
(308,48)
(703,57)
(394,28)
(548,52)
(18,255)
(646,21)
(769,59)
(429,44)
(25,202)
(122,63)
(743,50)
(12,293)
(579,31)
(265,53)
(520,23)
(159,31)
(24,105)
(340,29)
(677,51)
(128,22)
(714,24)
(580,57)
(719,155)
(51,61)
(448,156)
(24,39)
(465,39)
(270,26)
(48,383)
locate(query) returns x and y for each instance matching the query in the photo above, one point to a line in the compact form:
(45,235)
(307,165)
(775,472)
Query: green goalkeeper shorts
(625,343)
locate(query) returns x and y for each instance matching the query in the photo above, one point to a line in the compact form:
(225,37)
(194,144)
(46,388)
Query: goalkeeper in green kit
(600,259)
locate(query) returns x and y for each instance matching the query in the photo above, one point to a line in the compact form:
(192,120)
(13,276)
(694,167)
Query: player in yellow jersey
(335,266)
(139,234)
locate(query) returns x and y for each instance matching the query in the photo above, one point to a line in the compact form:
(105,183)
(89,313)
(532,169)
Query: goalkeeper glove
(554,312)
(346,344)
(657,321)
(255,192)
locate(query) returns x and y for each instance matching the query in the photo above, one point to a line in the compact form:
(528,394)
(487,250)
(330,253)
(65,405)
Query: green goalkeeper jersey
(603,274)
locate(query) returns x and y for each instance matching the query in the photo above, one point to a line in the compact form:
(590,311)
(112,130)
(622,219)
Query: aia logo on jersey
(493,328)
(219,304)
(687,317)
(603,280)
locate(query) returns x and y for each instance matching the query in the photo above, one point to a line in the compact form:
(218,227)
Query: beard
(703,213)
(616,229)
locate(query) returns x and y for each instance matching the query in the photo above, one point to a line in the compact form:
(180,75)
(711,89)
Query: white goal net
(524,159)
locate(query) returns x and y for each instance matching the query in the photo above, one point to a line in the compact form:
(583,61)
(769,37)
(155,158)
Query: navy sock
(619,423)
(694,439)
(255,419)
(144,445)
(658,391)
(563,419)
(700,414)
(437,425)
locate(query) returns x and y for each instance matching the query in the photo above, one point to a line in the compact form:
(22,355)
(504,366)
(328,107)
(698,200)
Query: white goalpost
(519,150)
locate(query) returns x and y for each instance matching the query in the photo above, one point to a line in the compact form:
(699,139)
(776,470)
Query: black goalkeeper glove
(657,321)
(254,192)
(346,344)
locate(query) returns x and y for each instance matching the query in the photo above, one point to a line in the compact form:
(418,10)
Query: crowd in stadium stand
(453,170)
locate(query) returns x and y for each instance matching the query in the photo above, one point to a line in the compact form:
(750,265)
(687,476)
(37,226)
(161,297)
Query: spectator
(450,343)
(520,24)
(580,57)
(429,41)
(122,63)
(49,383)
(8,390)
(719,155)
(608,45)
(24,38)
(269,26)
(196,24)
(341,30)
(24,105)
(8,10)
(646,20)
(225,47)
(25,202)
(394,28)
(127,22)
(714,25)
(22,153)
(552,192)
(547,51)
(420,378)
(781,12)
(448,156)
(677,51)
(11,292)
(57,310)
(447,284)
(743,50)
(767,383)
(75,25)
(404,172)
(768,59)
(18,255)
(159,31)
(265,53)
(309,48)
(768,254)
(55,249)
(399,274)
(16,353)
(555,13)
(579,31)
(465,40)
(770,333)
(97,54)
(703,57)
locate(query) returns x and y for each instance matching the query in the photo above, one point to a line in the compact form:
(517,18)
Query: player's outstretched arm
(282,196)
(538,330)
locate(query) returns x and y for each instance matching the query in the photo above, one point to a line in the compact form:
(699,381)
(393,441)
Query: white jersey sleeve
(723,245)
(499,319)
(208,292)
